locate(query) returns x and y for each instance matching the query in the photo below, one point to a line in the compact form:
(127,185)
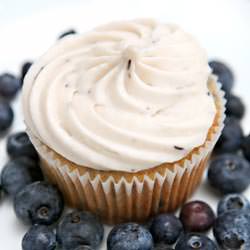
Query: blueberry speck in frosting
(67,33)
(129,64)
(178,148)
(157,112)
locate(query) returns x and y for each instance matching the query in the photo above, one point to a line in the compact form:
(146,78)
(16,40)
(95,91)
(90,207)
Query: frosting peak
(126,96)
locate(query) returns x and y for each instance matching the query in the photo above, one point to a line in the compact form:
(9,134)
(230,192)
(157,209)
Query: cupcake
(124,117)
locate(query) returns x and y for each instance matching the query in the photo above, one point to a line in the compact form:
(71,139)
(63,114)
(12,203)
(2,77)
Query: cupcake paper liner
(118,196)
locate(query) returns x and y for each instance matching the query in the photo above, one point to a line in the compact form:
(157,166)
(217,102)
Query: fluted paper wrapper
(119,196)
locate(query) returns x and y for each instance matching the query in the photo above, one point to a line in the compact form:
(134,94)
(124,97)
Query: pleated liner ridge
(120,196)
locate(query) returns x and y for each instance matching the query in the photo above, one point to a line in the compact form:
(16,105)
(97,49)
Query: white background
(28,28)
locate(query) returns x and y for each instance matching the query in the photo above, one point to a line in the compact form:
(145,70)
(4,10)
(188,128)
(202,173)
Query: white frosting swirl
(126,96)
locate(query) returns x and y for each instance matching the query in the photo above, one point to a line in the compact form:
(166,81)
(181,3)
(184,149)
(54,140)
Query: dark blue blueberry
(18,173)
(224,73)
(162,247)
(231,137)
(6,117)
(148,223)
(83,248)
(235,107)
(19,144)
(130,236)
(0,193)
(233,202)
(229,173)
(67,33)
(166,228)
(38,203)
(245,145)
(25,68)
(39,237)
(197,216)
(195,242)
(232,231)
(9,85)
(79,228)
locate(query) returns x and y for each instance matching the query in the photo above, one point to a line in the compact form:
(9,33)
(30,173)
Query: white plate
(28,28)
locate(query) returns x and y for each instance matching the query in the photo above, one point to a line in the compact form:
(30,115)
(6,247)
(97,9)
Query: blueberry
(235,107)
(147,224)
(245,145)
(25,68)
(224,73)
(232,231)
(231,137)
(0,192)
(18,173)
(233,202)
(79,228)
(39,237)
(166,228)
(9,85)
(195,242)
(38,203)
(83,247)
(163,247)
(67,33)
(229,173)
(19,144)
(197,216)
(130,236)
(6,117)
